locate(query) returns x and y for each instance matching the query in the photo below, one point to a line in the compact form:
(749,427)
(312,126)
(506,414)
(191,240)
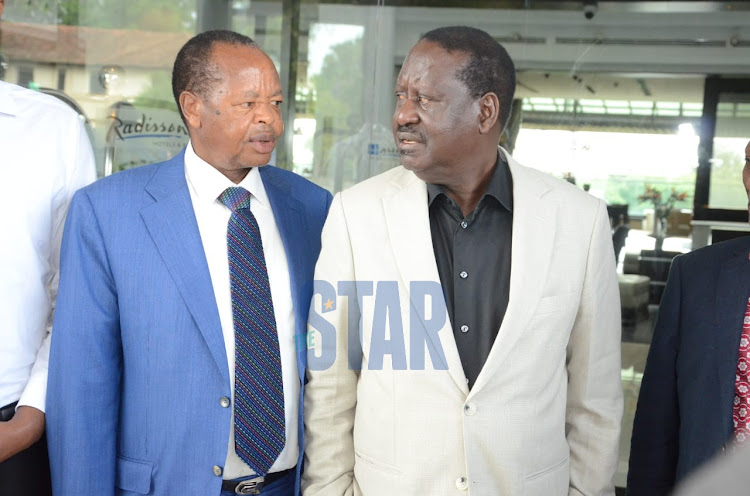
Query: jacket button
(218,471)
(462,484)
(224,402)
(470,409)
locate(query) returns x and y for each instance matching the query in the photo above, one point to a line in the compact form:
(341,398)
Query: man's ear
(191,105)
(489,111)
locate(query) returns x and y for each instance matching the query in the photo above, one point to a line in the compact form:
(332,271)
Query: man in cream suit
(464,335)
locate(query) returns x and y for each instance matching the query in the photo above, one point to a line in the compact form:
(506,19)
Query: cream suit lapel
(408,223)
(533,242)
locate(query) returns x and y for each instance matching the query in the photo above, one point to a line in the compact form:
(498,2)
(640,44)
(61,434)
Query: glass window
(731,136)
(613,103)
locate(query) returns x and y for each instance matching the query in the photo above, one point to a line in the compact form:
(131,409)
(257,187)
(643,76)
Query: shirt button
(464,224)
(470,409)
(462,483)
(464,274)
(224,402)
(464,328)
(217,471)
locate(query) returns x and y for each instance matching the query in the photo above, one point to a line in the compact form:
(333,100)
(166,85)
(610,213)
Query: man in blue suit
(694,400)
(178,353)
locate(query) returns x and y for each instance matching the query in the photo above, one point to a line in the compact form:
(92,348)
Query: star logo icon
(328,305)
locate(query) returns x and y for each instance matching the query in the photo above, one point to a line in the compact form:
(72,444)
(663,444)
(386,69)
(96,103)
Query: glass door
(720,199)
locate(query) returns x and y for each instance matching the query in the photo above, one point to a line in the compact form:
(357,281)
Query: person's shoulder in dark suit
(676,428)
(710,258)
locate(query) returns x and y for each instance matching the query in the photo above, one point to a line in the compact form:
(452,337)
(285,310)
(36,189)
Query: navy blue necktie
(259,422)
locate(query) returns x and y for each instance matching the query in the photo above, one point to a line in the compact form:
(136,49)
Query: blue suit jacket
(138,364)
(684,413)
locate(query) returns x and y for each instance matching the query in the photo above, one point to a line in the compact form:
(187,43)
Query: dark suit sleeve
(83,393)
(654,446)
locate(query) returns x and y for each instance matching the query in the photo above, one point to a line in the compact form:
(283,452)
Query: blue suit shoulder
(296,181)
(131,179)
(310,194)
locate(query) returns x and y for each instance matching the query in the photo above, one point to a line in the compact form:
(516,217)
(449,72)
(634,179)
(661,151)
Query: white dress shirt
(45,156)
(206,184)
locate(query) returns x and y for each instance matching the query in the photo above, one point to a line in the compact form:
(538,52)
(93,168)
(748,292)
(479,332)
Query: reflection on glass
(141,136)
(617,165)
(732,134)
(106,56)
(334,51)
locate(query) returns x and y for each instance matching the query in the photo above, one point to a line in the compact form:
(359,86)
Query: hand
(24,429)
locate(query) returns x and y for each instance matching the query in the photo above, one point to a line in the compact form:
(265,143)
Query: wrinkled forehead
(428,59)
(234,55)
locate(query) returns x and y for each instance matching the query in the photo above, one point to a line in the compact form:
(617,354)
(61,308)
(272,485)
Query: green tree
(339,86)
(152,15)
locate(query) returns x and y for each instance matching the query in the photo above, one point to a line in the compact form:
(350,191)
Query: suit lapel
(171,222)
(407,217)
(729,311)
(287,212)
(533,235)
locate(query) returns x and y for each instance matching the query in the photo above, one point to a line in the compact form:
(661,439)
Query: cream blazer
(543,417)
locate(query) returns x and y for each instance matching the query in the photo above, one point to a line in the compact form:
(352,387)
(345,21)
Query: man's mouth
(408,139)
(263,142)
(264,137)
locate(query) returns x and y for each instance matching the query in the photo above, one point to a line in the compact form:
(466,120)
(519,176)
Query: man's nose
(406,112)
(266,113)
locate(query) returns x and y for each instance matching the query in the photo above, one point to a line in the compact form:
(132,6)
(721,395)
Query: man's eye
(423,100)
(247,104)
(276,103)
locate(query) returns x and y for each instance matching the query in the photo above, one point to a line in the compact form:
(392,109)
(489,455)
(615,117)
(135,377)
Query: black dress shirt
(473,260)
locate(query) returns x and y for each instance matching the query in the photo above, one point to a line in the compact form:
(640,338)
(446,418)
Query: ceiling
(639,6)
(610,86)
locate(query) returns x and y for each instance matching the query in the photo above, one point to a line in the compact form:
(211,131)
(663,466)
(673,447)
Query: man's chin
(410,162)
(424,173)
(256,160)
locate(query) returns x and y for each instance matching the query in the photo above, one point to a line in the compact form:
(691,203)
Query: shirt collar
(208,183)
(8,104)
(500,186)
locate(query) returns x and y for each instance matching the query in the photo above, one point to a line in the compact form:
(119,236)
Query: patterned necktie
(259,422)
(741,410)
